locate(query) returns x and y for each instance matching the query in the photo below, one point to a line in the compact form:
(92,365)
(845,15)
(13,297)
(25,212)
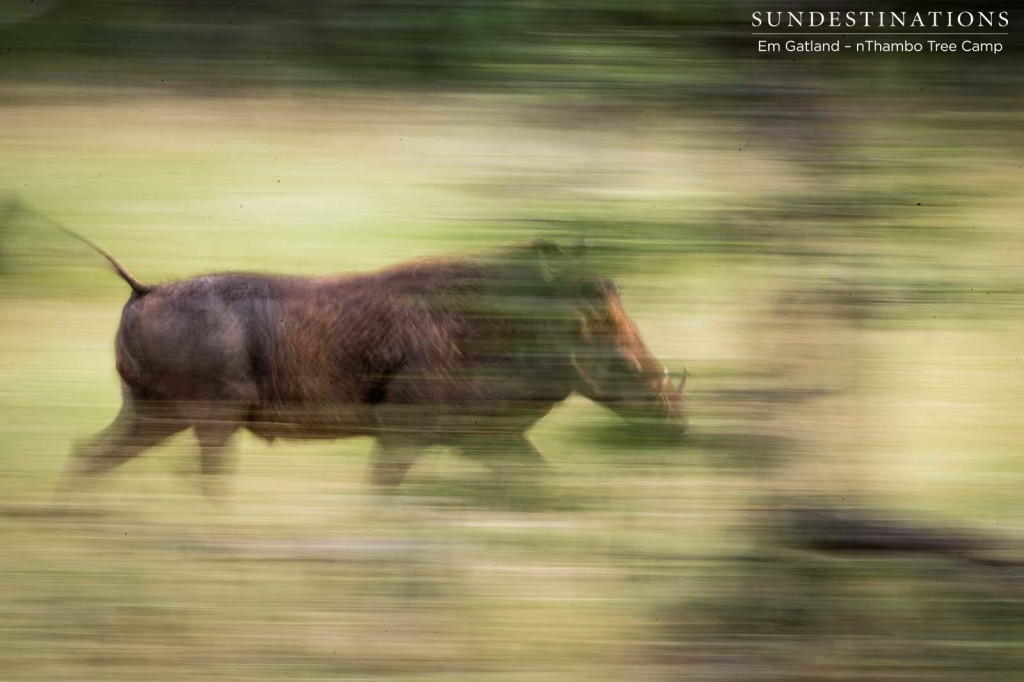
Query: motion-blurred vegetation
(830,244)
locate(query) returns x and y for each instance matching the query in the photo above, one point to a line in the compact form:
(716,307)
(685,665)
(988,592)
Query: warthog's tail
(137,286)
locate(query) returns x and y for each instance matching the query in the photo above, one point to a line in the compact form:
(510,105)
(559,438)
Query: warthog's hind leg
(128,435)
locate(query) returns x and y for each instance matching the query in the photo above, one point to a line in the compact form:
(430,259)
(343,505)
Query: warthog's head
(615,367)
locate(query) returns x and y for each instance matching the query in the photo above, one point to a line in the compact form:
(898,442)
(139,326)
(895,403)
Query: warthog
(467,352)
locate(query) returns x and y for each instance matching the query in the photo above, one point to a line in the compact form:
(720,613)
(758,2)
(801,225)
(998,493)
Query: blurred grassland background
(831,245)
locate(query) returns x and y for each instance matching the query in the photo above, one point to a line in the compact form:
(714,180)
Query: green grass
(616,565)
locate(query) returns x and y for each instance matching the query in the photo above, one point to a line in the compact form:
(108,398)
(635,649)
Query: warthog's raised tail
(138,287)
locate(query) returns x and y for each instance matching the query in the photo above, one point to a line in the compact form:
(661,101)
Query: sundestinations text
(880,19)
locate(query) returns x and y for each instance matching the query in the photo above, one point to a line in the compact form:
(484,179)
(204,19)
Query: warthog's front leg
(134,430)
